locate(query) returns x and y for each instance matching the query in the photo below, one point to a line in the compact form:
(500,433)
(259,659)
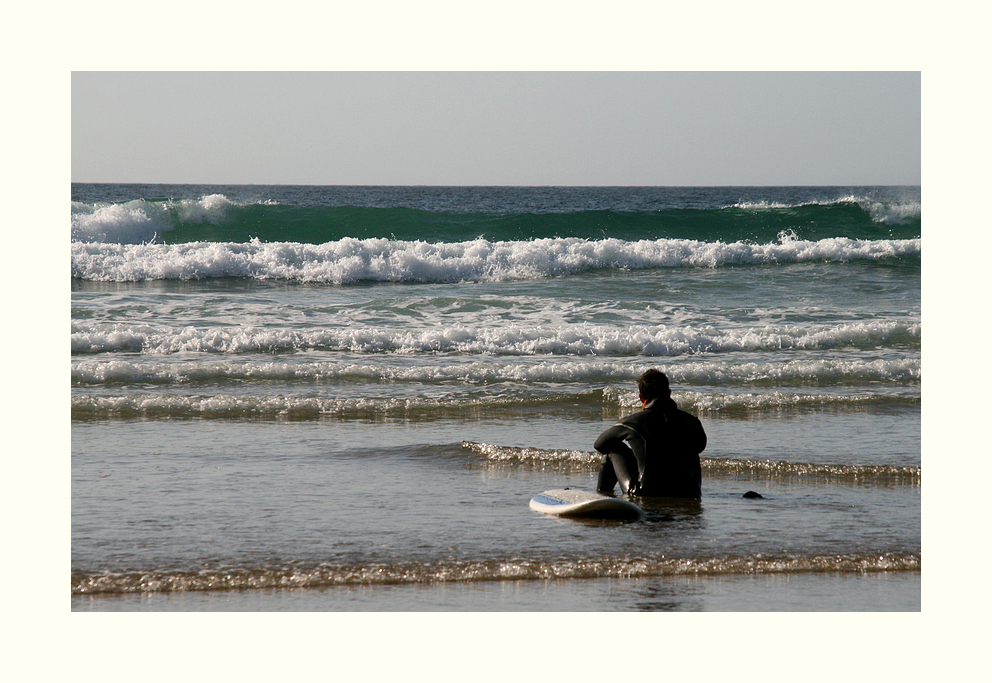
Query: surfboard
(578,503)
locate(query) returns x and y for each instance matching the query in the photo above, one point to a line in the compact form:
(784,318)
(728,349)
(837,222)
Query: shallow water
(360,426)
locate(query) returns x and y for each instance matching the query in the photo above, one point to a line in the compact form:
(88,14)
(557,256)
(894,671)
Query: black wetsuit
(662,458)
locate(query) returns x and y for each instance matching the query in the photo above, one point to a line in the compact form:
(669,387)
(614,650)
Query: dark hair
(653,384)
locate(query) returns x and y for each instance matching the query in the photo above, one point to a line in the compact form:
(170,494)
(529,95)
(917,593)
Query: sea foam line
(888,212)
(141,221)
(354,260)
(124,372)
(293,407)
(570,340)
(223,406)
(326,574)
(765,469)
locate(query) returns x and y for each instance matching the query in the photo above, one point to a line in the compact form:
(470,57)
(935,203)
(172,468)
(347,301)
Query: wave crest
(220,406)
(490,372)
(352,260)
(891,475)
(511,340)
(142,221)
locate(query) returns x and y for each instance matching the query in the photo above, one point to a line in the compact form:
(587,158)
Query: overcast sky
(497,128)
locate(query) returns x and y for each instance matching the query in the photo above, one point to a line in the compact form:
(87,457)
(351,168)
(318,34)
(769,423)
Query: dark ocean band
(217,219)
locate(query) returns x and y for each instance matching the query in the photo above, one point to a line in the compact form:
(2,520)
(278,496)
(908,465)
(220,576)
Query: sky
(497,128)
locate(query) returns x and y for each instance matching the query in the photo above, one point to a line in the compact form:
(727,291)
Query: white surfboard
(577,503)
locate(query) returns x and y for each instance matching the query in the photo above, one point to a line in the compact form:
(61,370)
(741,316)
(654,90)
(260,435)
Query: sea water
(343,398)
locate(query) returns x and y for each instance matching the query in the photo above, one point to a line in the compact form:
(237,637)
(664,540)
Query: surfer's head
(653,384)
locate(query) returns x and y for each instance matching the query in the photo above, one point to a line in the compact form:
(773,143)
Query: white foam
(889,212)
(571,340)
(352,260)
(711,372)
(132,222)
(716,402)
(768,468)
(315,407)
(140,221)
(209,209)
(892,213)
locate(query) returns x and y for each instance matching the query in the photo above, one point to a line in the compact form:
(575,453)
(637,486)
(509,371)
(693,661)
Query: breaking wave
(511,340)
(350,260)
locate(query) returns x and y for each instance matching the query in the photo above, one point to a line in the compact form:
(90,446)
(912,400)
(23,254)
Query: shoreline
(889,591)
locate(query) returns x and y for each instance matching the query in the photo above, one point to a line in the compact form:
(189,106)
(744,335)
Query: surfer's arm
(613,439)
(621,438)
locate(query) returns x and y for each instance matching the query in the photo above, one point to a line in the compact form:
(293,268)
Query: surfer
(654,452)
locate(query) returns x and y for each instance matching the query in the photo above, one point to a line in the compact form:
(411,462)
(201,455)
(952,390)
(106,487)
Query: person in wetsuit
(654,452)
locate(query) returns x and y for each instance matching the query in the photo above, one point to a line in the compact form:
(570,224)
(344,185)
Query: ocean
(341,399)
